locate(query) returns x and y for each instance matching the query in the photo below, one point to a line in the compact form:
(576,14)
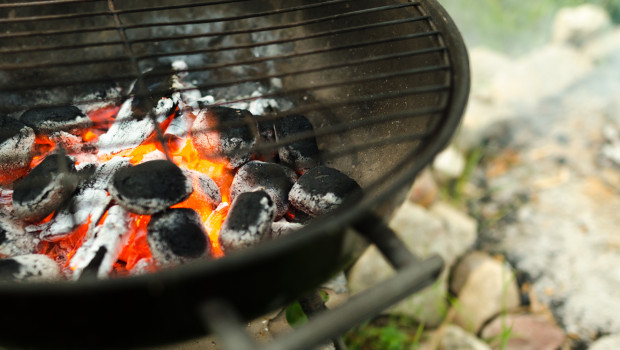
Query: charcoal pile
(155,183)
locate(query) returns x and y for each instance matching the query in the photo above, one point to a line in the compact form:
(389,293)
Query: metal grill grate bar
(162,24)
(119,12)
(216,49)
(45,3)
(232,32)
(218,66)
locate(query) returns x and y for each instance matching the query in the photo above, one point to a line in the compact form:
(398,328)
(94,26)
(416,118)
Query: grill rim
(456,54)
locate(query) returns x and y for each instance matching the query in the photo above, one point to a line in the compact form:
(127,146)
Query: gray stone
(543,73)
(441,230)
(424,190)
(486,287)
(610,342)
(485,65)
(577,25)
(524,332)
(455,338)
(449,164)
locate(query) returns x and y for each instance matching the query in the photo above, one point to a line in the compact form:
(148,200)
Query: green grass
(393,333)
(513,26)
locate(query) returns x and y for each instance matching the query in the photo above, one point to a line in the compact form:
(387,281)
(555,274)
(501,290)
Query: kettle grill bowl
(384,100)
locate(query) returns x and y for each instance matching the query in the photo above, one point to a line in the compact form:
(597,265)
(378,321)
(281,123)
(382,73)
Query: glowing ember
(136,249)
(115,240)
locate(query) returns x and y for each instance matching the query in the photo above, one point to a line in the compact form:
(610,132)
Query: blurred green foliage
(393,333)
(513,26)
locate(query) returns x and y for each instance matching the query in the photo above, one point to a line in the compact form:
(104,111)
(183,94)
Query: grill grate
(383,60)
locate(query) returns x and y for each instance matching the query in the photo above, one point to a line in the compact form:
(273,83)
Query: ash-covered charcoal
(16,149)
(29,268)
(177,236)
(97,255)
(300,155)
(248,222)
(90,201)
(45,188)
(47,120)
(14,240)
(150,187)
(282,228)
(214,139)
(129,129)
(321,190)
(205,187)
(144,265)
(75,146)
(277,180)
(179,128)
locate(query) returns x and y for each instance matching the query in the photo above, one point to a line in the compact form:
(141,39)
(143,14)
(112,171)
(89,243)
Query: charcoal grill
(384,82)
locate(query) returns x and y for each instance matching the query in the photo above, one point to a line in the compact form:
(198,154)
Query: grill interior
(373,76)
(384,83)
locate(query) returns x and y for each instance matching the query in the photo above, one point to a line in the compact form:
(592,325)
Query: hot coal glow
(109,189)
(135,249)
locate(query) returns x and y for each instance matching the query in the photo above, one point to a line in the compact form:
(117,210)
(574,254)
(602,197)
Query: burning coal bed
(103,190)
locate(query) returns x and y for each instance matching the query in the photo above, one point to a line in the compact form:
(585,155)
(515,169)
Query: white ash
(111,236)
(105,172)
(16,151)
(321,190)
(29,268)
(180,65)
(314,204)
(163,108)
(73,145)
(94,101)
(206,100)
(248,221)
(14,240)
(205,187)
(90,201)
(179,126)
(155,155)
(143,266)
(257,106)
(282,228)
(127,131)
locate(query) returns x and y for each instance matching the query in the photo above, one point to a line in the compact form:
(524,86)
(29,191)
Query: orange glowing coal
(181,152)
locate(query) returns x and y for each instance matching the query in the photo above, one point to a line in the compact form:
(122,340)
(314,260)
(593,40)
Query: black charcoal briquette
(275,179)
(321,190)
(47,120)
(248,222)
(302,154)
(16,149)
(150,187)
(45,188)
(177,236)
(224,133)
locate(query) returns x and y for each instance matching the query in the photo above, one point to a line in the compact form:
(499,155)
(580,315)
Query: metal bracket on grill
(413,275)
